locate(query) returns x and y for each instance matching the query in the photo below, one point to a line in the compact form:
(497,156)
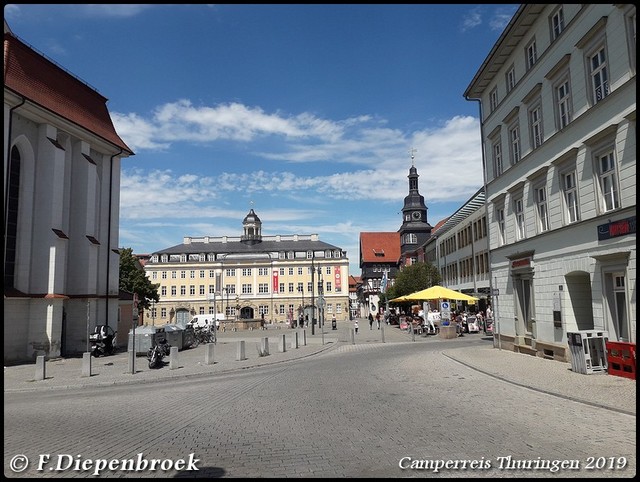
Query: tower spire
(412,152)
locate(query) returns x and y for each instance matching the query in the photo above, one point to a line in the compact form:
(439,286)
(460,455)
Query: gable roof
(34,77)
(380,247)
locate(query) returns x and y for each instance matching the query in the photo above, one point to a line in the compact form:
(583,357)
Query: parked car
(472,324)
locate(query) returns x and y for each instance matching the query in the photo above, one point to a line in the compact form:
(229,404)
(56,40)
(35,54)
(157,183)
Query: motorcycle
(156,353)
(102,341)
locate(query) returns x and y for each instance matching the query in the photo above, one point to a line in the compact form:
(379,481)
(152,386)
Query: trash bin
(588,351)
(146,337)
(173,335)
(334,325)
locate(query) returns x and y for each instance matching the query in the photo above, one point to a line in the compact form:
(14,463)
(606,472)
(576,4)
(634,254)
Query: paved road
(349,410)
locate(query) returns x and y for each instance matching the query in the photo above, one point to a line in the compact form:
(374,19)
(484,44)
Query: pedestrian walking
(355,326)
(378,319)
(370,321)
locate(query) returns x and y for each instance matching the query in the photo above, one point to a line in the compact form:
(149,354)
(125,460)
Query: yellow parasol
(438,293)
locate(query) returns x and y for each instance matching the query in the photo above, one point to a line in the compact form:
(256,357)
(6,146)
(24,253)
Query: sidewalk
(548,376)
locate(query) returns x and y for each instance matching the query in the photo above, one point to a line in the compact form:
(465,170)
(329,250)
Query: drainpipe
(7,174)
(109,235)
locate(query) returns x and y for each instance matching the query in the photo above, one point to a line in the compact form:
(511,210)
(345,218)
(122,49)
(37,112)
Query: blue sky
(306,113)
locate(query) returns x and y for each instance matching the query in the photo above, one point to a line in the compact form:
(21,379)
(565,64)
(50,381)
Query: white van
(203,321)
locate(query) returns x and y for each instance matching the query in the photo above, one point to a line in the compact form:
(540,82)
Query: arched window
(13,198)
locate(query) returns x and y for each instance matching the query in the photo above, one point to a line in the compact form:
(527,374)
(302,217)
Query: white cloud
(471,20)
(501,18)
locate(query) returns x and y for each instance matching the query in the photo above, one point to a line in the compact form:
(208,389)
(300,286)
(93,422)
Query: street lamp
(301,291)
(226,311)
(237,308)
(313,306)
(321,303)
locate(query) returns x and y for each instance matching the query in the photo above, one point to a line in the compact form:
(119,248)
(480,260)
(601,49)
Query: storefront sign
(521,263)
(617,228)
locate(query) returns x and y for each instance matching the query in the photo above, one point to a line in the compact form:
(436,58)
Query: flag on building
(383,284)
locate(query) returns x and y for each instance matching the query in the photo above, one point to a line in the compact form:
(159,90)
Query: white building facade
(250,278)
(459,248)
(557,97)
(62,181)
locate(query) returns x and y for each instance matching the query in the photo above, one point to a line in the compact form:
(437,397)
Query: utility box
(588,351)
(173,334)
(146,337)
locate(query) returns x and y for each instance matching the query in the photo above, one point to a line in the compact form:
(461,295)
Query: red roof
(439,225)
(42,82)
(380,247)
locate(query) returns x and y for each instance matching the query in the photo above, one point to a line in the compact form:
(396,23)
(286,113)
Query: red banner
(275,288)
(337,279)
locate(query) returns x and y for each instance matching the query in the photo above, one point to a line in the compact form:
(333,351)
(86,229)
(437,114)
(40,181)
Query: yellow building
(242,280)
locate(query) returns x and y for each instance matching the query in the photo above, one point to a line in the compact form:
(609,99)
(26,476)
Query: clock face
(416,215)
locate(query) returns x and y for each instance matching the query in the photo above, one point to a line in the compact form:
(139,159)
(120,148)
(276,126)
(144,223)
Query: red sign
(337,279)
(275,288)
(520,263)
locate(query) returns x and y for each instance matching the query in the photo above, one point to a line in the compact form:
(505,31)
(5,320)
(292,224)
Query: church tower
(415,229)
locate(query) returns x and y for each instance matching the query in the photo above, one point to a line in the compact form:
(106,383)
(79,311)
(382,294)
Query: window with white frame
(163,275)
(557,23)
(599,75)
(411,238)
(497,158)
(230,272)
(299,270)
(514,143)
(247,288)
(563,103)
(511,78)
(281,288)
(542,208)
(173,291)
(570,195)
(154,275)
(493,99)
(531,54)
(608,181)
(163,291)
(246,271)
(174,274)
(201,288)
(183,274)
(263,288)
(518,209)
(183,290)
(535,122)
(500,221)
(192,290)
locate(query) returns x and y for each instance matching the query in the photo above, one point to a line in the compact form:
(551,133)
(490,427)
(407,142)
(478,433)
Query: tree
(134,280)
(414,278)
